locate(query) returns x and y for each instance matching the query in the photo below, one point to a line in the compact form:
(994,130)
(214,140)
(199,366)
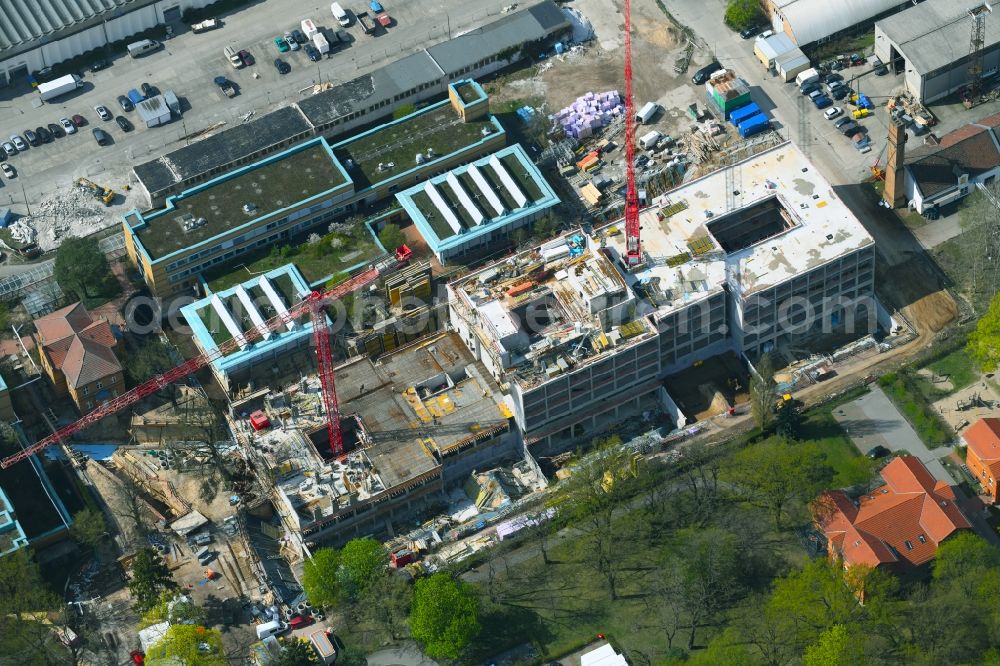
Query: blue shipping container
(744,112)
(754,125)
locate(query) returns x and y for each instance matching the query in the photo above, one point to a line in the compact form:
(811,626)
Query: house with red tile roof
(982,454)
(77,353)
(940,174)
(898,525)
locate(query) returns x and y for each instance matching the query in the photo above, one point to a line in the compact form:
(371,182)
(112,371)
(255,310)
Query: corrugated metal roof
(812,20)
(27,20)
(935,33)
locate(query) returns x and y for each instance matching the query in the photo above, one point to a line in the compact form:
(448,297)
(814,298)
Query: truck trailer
(309,28)
(744,112)
(61,86)
(321,44)
(366,22)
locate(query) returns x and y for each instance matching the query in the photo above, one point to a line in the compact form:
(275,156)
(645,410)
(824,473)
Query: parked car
(281,45)
(293,44)
(878,452)
(56,130)
(79,120)
(8,170)
(102,137)
(246,57)
(9,148)
(747,33)
(832,112)
(282,66)
(840,123)
(840,92)
(881,69)
(702,74)
(807,88)
(44,134)
(102,112)
(311,52)
(18,142)
(147,90)
(833,77)
(822,101)
(849,128)
(32,138)
(125,103)
(99,65)
(123,123)
(299,37)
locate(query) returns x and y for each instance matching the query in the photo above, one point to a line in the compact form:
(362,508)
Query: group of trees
(82,269)
(741,14)
(438,611)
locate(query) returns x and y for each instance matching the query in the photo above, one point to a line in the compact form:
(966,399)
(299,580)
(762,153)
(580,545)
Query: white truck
(808,76)
(319,41)
(60,86)
(646,112)
(309,28)
(206,25)
(343,18)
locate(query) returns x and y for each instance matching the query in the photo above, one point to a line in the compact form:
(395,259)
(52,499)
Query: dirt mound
(657,33)
(932,312)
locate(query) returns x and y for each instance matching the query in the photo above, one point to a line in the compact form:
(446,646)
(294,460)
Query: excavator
(100,193)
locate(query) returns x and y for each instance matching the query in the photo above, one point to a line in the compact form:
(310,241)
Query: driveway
(407,654)
(873,420)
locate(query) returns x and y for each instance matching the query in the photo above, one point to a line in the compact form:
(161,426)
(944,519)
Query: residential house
(898,525)
(77,353)
(982,455)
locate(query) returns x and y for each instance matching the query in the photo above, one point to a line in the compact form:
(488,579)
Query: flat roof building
(12,536)
(285,195)
(224,315)
(355,103)
(581,342)
(478,205)
(929,43)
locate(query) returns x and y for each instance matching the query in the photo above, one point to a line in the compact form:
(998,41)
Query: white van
(233,57)
(142,47)
(339,14)
(808,76)
(646,112)
(649,140)
(270,629)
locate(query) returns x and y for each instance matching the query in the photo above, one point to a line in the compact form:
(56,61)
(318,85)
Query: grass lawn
(958,368)
(842,455)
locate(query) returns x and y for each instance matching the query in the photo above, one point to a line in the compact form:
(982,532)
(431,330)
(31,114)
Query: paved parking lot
(872,420)
(188,65)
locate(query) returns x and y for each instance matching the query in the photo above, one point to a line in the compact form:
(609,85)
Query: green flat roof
(281,181)
(440,129)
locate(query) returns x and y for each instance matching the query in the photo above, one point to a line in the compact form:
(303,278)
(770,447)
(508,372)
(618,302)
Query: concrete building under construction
(753,259)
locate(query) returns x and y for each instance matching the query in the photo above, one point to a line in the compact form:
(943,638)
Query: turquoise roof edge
(9,523)
(257,349)
(549,199)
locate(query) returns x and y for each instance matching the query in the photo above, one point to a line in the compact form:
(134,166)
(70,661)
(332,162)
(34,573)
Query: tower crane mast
(632,243)
(313,304)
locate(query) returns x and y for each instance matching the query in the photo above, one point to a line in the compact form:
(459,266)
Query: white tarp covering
(485,188)
(188,523)
(463,198)
(507,181)
(442,207)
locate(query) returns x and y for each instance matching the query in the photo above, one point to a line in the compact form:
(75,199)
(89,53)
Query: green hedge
(902,389)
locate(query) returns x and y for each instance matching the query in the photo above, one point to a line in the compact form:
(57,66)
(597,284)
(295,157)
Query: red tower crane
(632,244)
(313,304)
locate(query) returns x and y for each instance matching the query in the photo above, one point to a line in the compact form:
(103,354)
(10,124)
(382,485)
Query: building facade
(982,455)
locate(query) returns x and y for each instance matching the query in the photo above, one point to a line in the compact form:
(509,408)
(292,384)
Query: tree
(83,269)
(321,578)
(148,359)
(188,644)
(835,647)
(772,474)
(391,237)
(150,577)
(88,527)
(984,342)
(445,615)
(24,639)
(742,14)
(965,557)
(762,392)
(296,652)
(364,561)
(386,603)
(174,608)
(788,419)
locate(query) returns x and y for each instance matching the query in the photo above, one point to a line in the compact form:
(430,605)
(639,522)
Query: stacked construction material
(589,113)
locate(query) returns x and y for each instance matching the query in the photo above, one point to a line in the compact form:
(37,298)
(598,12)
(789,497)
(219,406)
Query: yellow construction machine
(101,193)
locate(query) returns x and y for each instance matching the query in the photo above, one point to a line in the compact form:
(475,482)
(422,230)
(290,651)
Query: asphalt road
(188,65)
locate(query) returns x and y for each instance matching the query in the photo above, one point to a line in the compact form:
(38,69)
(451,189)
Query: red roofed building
(982,454)
(78,355)
(897,525)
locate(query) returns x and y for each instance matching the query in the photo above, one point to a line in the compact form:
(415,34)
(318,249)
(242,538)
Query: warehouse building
(35,34)
(283,196)
(581,343)
(360,101)
(809,22)
(478,206)
(929,44)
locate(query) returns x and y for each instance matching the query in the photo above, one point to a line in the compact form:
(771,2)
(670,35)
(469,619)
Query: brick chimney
(895,190)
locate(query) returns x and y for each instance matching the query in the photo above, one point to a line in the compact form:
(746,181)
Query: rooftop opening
(320,438)
(748,226)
